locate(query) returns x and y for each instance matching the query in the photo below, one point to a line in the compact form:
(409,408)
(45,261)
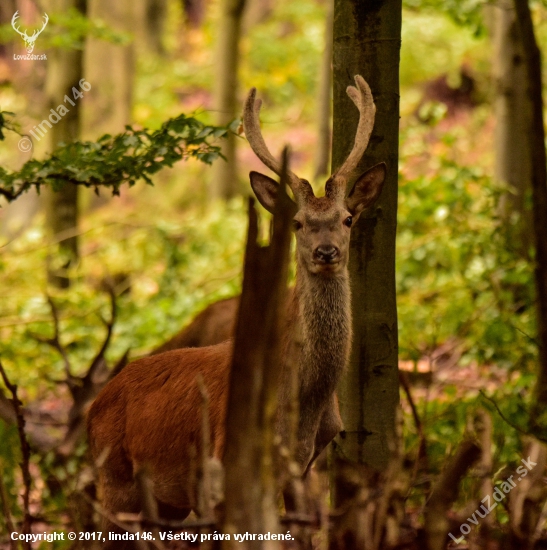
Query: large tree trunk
(513,111)
(64,75)
(536,137)
(367,41)
(225,182)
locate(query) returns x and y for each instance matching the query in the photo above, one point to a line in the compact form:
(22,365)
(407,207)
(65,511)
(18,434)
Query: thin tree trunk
(64,75)
(110,69)
(322,153)
(512,109)
(367,41)
(224,173)
(256,12)
(536,135)
(149,24)
(194,10)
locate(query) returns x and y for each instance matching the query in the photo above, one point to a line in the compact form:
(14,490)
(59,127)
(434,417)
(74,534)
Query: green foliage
(6,123)
(463,12)
(462,284)
(169,268)
(458,273)
(116,160)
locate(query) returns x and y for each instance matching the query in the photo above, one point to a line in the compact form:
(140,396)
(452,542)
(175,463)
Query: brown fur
(149,416)
(215,324)
(135,426)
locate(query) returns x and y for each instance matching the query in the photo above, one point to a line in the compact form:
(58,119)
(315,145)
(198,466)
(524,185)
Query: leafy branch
(116,160)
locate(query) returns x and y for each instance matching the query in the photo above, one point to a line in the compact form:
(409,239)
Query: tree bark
(513,113)
(64,74)
(322,153)
(224,173)
(250,487)
(367,41)
(536,137)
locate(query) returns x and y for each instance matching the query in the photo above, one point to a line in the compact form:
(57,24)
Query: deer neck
(323,329)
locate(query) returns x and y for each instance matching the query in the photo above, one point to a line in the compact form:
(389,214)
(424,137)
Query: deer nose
(326,253)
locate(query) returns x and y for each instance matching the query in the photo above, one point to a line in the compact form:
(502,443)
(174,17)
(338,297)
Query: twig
(422,449)
(25,451)
(445,493)
(541,522)
(205,493)
(149,505)
(134,518)
(55,343)
(507,421)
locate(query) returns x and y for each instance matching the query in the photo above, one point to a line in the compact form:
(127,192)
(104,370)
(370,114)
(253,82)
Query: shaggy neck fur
(324,319)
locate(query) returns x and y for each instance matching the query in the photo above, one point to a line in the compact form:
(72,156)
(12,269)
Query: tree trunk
(536,137)
(250,485)
(110,69)
(256,12)
(149,24)
(195,11)
(367,41)
(64,75)
(513,112)
(225,183)
(322,153)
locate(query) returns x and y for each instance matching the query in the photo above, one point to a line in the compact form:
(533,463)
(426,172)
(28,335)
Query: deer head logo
(29,40)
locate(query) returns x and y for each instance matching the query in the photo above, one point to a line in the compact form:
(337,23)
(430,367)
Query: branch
(508,422)
(25,450)
(445,493)
(55,343)
(113,161)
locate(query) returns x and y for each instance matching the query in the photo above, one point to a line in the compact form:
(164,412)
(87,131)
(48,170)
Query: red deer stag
(149,415)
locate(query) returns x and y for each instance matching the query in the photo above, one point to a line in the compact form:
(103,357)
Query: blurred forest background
(88,280)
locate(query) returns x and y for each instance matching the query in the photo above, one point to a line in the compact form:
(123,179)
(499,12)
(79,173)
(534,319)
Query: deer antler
(16,29)
(251,124)
(37,32)
(362,97)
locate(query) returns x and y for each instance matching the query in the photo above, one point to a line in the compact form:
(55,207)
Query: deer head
(322,224)
(29,40)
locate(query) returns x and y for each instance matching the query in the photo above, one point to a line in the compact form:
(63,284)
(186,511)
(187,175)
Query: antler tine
(46,19)
(251,124)
(38,32)
(13,20)
(362,97)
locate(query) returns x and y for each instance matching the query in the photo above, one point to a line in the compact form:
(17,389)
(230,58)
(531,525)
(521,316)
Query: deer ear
(265,189)
(367,189)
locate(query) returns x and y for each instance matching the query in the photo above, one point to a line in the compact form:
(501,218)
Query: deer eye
(348,221)
(296,225)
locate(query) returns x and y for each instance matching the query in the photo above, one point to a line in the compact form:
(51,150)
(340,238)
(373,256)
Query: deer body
(149,415)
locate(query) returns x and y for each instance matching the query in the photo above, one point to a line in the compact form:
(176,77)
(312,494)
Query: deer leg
(329,426)
(119,496)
